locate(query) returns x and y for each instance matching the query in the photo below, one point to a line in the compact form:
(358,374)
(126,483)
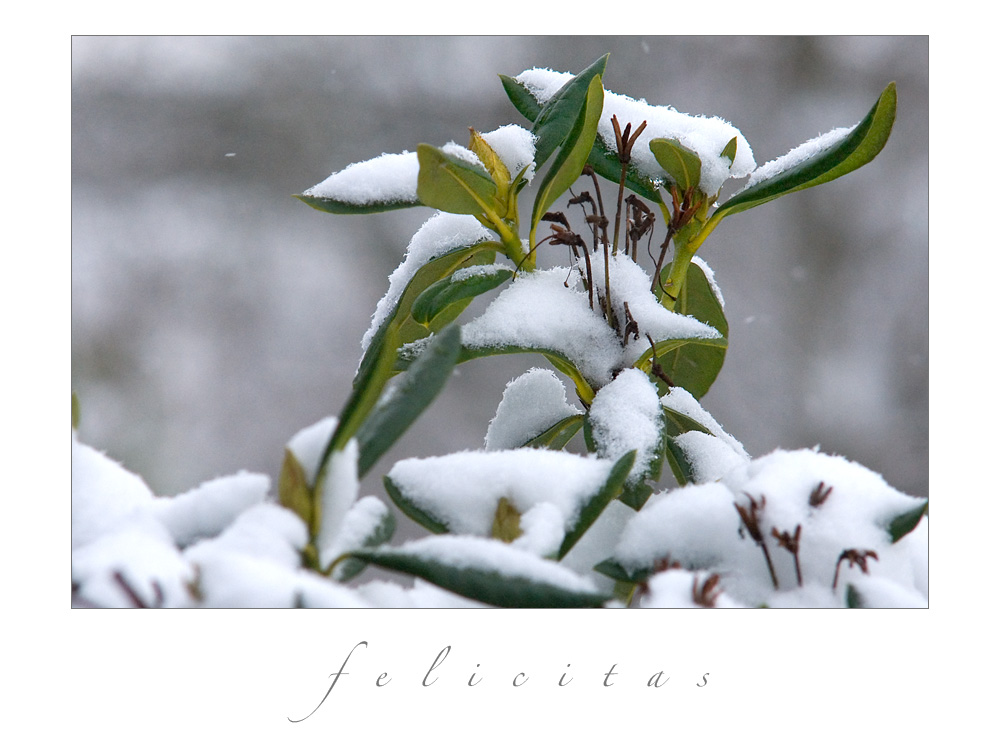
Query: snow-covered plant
(635,324)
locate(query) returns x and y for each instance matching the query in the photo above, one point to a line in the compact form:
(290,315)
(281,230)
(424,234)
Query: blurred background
(214,315)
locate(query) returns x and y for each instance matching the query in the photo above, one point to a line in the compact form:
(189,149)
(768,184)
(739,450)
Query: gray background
(214,315)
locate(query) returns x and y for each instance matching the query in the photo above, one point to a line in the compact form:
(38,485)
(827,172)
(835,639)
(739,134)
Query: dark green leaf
(560,113)
(439,296)
(681,163)
(451,184)
(559,434)
(339,207)
(635,496)
(413,393)
(852,152)
(597,503)
(418,515)
(523,100)
(615,571)
(679,464)
(853,599)
(678,423)
(480,581)
(572,155)
(906,522)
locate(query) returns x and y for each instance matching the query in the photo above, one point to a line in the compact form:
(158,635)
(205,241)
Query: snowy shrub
(634,325)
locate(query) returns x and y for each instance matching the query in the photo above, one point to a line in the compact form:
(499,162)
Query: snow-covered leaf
(381,184)
(680,162)
(820,160)
(489,571)
(906,522)
(533,412)
(595,506)
(369,523)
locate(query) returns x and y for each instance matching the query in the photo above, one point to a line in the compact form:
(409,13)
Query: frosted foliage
(598,544)
(463,490)
(708,456)
(531,404)
(392,177)
(464,552)
(383,594)
(443,232)
(516,148)
(706,136)
(710,277)
(307,445)
(698,527)
(797,155)
(359,523)
(626,415)
(208,509)
(537,311)
(338,494)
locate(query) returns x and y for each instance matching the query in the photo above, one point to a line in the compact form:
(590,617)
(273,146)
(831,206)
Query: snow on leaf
(531,403)
(207,510)
(706,136)
(626,415)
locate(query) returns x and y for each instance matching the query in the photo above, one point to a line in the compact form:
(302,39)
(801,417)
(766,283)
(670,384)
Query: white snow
(698,526)
(441,233)
(681,401)
(676,589)
(516,148)
(337,495)
(626,415)
(710,457)
(359,523)
(384,594)
(307,445)
(207,510)
(707,136)
(531,403)
(390,178)
(463,490)
(797,155)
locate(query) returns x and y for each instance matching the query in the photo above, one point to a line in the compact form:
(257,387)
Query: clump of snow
(516,148)
(442,233)
(488,269)
(699,527)
(104,494)
(706,136)
(531,403)
(388,179)
(208,509)
(463,490)
(797,155)
(538,312)
(359,523)
(709,457)
(626,415)
(681,401)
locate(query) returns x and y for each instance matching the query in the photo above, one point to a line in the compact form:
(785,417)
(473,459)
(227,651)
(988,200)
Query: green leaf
(381,532)
(572,155)
(451,184)
(853,598)
(340,207)
(614,570)
(457,287)
(906,522)
(523,100)
(413,393)
(76,410)
(414,512)
(597,503)
(679,464)
(635,496)
(481,581)
(729,152)
(696,364)
(864,142)
(559,434)
(293,489)
(559,115)
(677,423)
(681,163)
